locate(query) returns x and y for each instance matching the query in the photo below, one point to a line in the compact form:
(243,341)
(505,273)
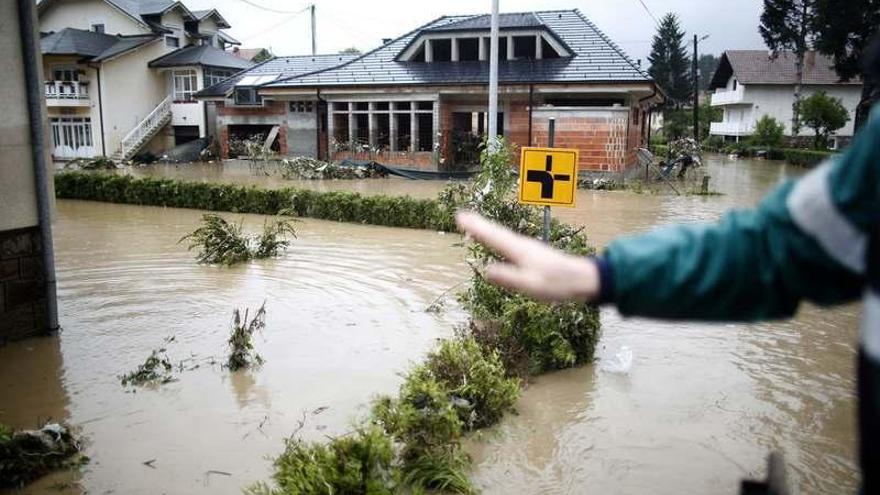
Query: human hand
(532,267)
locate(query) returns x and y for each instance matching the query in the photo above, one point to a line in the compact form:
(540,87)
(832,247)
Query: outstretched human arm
(806,241)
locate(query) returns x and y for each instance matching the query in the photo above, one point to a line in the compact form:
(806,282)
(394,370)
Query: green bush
(474,377)
(362,463)
(768,132)
(402,211)
(806,158)
(659,150)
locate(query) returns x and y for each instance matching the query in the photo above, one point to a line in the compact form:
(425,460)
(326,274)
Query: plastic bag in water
(619,363)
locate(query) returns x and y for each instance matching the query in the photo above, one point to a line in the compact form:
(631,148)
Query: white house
(749,84)
(121,74)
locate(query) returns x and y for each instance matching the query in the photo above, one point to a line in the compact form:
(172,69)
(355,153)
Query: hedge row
(391,211)
(806,158)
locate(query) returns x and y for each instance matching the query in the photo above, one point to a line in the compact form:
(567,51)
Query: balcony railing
(67,90)
(727,97)
(730,129)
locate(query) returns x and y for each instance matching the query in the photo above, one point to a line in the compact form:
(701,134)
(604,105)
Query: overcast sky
(731,24)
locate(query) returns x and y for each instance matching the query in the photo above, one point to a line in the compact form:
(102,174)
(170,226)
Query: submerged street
(699,410)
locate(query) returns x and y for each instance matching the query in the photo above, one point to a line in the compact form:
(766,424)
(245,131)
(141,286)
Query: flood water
(701,407)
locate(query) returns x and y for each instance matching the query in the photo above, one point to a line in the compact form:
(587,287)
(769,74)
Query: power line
(646,10)
(275,11)
(275,26)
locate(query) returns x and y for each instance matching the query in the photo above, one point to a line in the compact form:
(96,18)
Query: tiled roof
(89,44)
(523,20)
(279,67)
(247,53)
(205,55)
(758,67)
(595,59)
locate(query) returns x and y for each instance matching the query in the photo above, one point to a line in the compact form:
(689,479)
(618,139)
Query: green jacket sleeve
(805,241)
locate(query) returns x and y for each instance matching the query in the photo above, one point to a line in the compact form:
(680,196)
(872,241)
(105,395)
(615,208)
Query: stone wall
(22,296)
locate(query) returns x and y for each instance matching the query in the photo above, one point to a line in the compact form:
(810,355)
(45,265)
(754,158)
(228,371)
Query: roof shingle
(89,44)
(205,55)
(595,58)
(759,67)
(278,68)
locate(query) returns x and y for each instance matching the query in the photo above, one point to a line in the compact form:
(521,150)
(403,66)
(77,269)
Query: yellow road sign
(548,176)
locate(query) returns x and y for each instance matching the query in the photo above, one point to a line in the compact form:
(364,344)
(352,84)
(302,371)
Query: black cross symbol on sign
(546,178)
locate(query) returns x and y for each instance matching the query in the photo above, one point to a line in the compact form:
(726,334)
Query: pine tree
(844,30)
(707,64)
(670,65)
(788,25)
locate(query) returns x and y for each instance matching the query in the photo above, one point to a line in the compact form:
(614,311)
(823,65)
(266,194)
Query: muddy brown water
(700,408)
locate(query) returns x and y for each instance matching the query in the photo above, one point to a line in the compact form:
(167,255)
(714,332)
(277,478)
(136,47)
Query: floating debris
(156,370)
(311,169)
(29,454)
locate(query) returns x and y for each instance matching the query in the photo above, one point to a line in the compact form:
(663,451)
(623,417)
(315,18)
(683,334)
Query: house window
(468,49)
(185,84)
(98,27)
(301,107)
(172,42)
(524,47)
(398,126)
(734,84)
(213,76)
(247,96)
(65,73)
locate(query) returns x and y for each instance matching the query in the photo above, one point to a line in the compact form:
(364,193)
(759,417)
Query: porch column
(352,124)
(372,127)
(435,128)
(482,55)
(539,47)
(455,55)
(413,128)
(429,51)
(510,48)
(392,127)
(331,129)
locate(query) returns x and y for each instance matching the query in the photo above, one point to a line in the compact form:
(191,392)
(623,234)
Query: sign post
(548,177)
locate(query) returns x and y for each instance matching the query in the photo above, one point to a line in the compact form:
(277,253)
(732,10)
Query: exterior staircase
(144,131)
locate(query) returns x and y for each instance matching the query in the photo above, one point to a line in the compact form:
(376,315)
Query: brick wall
(22,297)
(275,111)
(599,134)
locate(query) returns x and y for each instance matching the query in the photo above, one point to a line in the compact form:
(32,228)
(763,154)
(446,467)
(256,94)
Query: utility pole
(493,79)
(696,77)
(314,35)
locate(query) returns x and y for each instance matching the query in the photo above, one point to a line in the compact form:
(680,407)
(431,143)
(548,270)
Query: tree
(824,114)
(768,132)
(352,50)
(708,114)
(844,30)
(707,64)
(262,56)
(670,64)
(789,25)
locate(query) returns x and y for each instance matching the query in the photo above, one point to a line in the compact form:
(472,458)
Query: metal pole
(493,78)
(551,138)
(28,29)
(314,35)
(696,77)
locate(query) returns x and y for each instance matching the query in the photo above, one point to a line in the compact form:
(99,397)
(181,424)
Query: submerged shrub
(241,339)
(223,243)
(474,377)
(361,463)
(156,370)
(30,454)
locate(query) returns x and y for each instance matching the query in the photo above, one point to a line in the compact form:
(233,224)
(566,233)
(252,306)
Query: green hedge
(659,150)
(806,158)
(391,211)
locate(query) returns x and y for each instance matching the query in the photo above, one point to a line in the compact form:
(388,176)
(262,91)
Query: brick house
(420,101)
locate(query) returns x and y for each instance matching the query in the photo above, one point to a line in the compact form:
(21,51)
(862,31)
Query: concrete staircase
(144,131)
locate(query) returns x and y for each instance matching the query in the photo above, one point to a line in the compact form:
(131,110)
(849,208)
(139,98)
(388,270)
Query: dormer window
(247,96)
(474,46)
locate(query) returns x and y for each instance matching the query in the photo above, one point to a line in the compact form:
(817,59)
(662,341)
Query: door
(72,137)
